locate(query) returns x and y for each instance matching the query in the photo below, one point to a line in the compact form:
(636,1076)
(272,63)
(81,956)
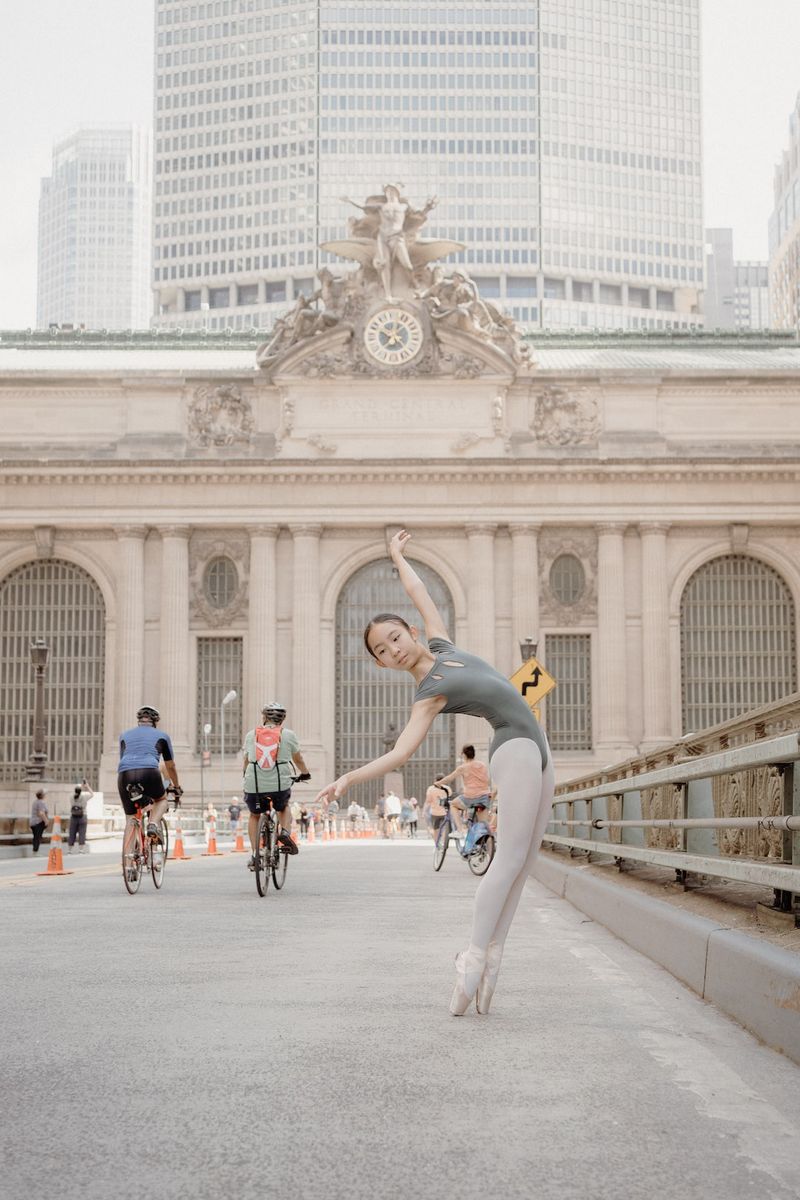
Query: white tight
(525,796)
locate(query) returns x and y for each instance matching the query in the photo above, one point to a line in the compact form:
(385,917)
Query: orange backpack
(268,743)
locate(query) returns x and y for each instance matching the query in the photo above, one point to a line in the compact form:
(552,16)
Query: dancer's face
(394,646)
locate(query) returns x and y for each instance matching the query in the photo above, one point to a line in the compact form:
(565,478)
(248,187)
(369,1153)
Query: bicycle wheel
(481,857)
(132,856)
(263,854)
(280,861)
(440,847)
(158,854)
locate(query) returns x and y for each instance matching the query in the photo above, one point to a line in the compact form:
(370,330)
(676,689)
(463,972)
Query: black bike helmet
(273,711)
(147,712)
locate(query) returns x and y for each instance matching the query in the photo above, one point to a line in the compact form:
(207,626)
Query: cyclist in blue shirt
(141,752)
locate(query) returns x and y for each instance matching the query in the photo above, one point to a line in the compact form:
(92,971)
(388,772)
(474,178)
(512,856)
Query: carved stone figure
(566,418)
(385,240)
(220,416)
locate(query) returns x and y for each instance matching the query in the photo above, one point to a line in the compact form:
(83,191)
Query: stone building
(185,515)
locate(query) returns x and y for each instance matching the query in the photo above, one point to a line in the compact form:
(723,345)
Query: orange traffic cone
(211,850)
(55,861)
(311,836)
(239,847)
(326,837)
(178,854)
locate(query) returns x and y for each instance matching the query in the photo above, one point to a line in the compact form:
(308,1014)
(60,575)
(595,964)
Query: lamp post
(231,696)
(528,649)
(205,759)
(39,651)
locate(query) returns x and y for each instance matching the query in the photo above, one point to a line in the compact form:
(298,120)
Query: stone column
(130,627)
(611,687)
(480,590)
(655,636)
(260,684)
(306,713)
(524,584)
(174,642)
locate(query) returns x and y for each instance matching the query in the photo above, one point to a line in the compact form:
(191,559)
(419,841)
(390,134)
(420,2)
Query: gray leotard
(475,688)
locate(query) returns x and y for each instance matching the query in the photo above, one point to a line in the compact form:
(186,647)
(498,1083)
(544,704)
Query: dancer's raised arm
(416,591)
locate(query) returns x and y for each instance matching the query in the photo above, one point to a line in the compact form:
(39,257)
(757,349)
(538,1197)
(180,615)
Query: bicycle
(271,858)
(141,853)
(478,846)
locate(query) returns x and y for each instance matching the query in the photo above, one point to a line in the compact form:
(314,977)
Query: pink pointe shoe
(483,996)
(470,964)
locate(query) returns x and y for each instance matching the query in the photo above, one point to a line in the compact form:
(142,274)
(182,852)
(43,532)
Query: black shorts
(149,778)
(258,803)
(437,821)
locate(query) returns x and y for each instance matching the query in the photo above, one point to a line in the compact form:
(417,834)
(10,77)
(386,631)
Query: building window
(567,579)
(368,699)
(219,670)
(737,641)
(192,301)
(61,603)
(221,582)
(247,293)
(569,706)
(488,286)
(521,287)
(554,289)
(219,297)
(610,294)
(276,292)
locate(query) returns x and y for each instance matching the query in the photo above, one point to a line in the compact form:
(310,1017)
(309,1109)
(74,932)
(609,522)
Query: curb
(755,983)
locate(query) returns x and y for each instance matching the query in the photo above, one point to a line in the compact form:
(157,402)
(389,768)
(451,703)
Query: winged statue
(385,240)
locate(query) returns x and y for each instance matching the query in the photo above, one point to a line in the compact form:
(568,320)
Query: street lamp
(39,651)
(528,649)
(231,696)
(205,759)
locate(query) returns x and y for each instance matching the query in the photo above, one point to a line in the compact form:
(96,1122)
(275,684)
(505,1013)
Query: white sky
(90,61)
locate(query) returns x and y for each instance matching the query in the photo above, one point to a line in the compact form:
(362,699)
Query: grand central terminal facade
(183,517)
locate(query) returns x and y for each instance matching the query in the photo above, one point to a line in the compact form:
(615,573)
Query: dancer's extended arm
(419,722)
(416,591)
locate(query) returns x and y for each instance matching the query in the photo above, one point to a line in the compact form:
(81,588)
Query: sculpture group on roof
(396,265)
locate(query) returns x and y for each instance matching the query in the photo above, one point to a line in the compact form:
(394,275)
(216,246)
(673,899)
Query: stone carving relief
(756,793)
(203,549)
(662,804)
(582,543)
(220,416)
(566,418)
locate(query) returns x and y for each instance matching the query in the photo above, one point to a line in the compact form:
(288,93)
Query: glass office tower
(562,139)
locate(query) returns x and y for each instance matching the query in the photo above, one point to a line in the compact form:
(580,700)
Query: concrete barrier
(756,983)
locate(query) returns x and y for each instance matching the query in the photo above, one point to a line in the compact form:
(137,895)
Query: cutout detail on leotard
(437,676)
(449,663)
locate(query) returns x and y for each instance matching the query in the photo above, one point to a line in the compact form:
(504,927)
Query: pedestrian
(452,680)
(405,816)
(78,817)
(304,820)
(413,804)
(234,812)
(38,819)
(209,815)
(393,808)
(380,816)
(353,814)
(333,813)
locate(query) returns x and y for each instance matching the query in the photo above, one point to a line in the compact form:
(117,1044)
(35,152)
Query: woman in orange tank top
(475,788)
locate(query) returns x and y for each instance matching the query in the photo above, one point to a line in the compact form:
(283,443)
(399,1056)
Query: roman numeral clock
(393,336)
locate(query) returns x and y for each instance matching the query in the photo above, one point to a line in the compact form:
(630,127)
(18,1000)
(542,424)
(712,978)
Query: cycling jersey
(143,746)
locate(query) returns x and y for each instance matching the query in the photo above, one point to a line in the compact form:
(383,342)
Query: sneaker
(251,865)
(286,843)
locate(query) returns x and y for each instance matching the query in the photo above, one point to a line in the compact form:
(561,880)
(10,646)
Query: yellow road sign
(532,681)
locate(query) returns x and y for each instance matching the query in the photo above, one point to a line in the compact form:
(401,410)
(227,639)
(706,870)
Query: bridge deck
(300,1045)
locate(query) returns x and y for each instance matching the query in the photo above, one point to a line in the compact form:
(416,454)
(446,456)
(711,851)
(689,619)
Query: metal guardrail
(702,837)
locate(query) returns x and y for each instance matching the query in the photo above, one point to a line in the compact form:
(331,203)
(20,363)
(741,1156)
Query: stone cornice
(445,471)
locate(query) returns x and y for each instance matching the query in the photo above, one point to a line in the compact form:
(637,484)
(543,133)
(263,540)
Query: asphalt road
(201,1042)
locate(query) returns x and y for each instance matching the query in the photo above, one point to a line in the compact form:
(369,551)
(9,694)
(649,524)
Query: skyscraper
(784,233)
(94,231)
(562,139)
(737,293)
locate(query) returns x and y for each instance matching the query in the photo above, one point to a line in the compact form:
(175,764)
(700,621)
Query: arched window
(567,579)
(737,640)
(61,603)
(368,699)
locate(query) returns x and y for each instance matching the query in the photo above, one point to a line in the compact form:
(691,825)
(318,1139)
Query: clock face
(393,336)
